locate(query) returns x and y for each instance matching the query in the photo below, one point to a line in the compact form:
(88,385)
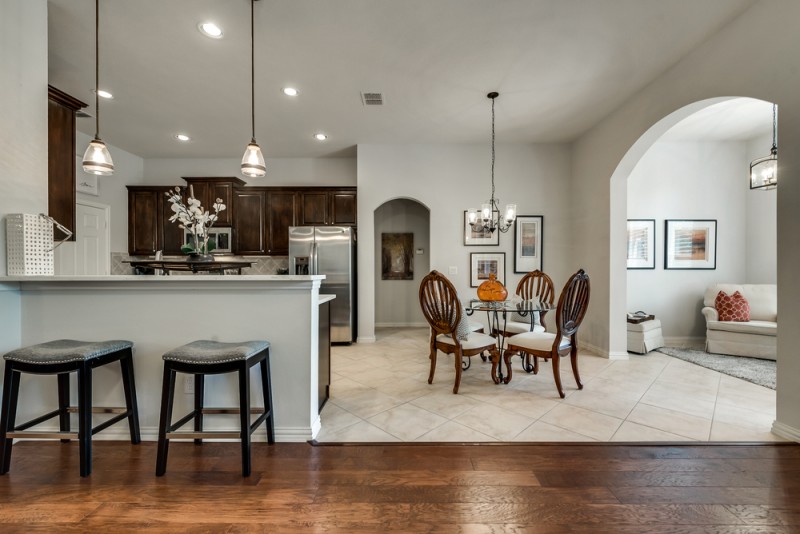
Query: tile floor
(380,393)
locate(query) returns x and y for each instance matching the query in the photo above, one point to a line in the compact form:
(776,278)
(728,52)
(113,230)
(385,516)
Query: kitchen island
(159,313)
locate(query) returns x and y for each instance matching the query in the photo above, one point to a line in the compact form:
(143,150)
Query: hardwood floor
(479,488)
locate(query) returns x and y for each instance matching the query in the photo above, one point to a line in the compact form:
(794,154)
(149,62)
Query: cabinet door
(343,208)
(313,208)
(172,233)
(225,192)
(143,222)
(281,217)
(249,226)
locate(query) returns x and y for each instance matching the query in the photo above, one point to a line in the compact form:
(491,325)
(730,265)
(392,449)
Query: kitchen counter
(159,313)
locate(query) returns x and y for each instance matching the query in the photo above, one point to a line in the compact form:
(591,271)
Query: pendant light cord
(492,200)
(252,71)
(775,127)
(97,68)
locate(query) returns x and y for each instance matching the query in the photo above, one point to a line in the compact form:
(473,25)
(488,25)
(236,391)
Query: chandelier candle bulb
(473,215)
(511,213)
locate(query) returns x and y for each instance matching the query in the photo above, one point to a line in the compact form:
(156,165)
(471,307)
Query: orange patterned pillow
(732,307)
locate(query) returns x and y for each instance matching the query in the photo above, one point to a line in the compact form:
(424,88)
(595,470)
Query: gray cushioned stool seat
(66,350)
(205,351)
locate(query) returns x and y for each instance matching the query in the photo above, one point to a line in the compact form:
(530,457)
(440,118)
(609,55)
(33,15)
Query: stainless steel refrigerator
(329,250)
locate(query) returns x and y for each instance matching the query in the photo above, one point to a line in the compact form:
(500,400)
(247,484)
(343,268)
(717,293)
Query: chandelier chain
(493,153)
(774,126)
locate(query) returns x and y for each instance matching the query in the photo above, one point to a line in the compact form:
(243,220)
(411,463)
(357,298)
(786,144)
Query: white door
(92,254)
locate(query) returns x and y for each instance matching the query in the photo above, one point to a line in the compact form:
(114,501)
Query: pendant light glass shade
(97,159)
(764,171)
(253,161)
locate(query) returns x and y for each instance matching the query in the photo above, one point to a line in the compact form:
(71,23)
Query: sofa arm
(710,314)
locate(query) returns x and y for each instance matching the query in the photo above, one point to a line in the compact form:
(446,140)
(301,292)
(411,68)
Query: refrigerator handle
(313,259)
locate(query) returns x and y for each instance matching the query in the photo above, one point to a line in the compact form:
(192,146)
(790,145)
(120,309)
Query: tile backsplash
(262,265)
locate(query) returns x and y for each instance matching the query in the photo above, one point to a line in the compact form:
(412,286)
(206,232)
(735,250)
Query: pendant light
(253,161)
(97,159)
(488,218)
(764,171)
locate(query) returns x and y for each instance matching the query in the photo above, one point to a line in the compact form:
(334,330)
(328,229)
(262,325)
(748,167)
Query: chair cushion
(518,327)
(541,341)
(732,307)
(475,340)
(66,350)
(764,328)
(205,351)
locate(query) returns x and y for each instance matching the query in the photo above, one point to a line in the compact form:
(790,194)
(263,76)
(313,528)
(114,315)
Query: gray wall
(397,301)
(762,225)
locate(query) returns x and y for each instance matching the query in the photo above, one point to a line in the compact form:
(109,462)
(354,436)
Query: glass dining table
(497,313)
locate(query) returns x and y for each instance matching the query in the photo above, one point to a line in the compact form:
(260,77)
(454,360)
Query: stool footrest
(204,435)
(35,434)
(113,420)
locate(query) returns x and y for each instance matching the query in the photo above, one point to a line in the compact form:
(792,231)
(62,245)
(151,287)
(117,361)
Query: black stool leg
(266,388)
(85,418)
(199,391)
(9,415)
(244,415)
(129,384)
(167,391)
(63,403)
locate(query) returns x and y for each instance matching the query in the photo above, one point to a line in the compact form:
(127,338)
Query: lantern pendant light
(253,161)
(764,171)
(97,159)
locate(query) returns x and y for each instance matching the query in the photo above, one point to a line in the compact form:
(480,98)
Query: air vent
(372,99)
(82,114)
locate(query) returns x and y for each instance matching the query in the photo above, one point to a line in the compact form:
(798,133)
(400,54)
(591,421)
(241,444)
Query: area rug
(755,370)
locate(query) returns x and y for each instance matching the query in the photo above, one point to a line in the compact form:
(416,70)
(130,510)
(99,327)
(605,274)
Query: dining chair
(570,312)
(535,285)
(449,324)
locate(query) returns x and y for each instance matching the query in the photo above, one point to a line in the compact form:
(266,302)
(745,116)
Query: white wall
(280,171)
(762,224)
(449,179)
(689,180)
(727,64)
(397,301)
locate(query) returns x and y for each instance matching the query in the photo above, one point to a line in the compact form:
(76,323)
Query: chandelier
(764,171)
(488,217)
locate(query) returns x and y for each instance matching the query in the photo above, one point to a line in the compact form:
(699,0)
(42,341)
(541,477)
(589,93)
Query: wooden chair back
(536,285)
(439,302)
(572,304)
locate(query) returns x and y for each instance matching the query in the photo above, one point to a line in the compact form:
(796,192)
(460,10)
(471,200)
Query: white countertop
(170,278)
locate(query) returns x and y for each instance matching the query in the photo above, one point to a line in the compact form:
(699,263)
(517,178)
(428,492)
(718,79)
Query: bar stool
(201,358)
(61,358)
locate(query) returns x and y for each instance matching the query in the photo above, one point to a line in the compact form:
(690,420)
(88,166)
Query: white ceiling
(738,119)
(559,65)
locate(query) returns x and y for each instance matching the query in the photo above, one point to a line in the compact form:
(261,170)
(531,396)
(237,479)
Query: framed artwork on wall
(641,243)
(87,183)
(690,244)
(482,264)
(528,243)
(476,237)
(397,256)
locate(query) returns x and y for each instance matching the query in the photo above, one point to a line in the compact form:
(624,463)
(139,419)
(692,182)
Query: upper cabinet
(207,190)
(149,228)
(249,226)
(61,198)
(327,206)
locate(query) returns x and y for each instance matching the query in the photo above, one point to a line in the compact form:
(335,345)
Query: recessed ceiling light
(209,29)
(290,91)
(104,94)
(320,136)
(182,137)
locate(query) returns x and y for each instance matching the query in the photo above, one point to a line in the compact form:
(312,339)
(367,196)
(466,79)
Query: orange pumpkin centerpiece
(492,290)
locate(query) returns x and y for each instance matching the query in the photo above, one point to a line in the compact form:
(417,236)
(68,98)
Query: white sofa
(756,338)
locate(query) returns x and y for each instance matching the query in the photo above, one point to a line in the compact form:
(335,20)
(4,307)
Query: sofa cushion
(732,307)
(764,328)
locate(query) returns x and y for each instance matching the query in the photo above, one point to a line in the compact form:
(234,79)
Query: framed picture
(87,183)
(482,264)
(476,237)
(690,244)
(641,243)
(528,243)
(397,256)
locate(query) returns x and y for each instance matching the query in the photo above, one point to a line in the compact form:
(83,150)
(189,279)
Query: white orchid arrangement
(195,219)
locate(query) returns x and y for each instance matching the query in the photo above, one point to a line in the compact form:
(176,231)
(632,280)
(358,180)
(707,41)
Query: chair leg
(244,416)
(63,404)
(129,385)
(557,374)
(167,391)
(535,364)
(85,419)
(199,393)
(573,356)
(457,357)
(9,415)
(266,388)
(433,362)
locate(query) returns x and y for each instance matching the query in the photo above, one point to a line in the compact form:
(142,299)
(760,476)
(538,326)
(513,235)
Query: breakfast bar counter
(159,313)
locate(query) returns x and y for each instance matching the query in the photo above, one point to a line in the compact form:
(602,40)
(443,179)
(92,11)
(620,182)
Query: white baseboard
(603,352)
(365,339)
(401,325)
(786,431)
(282,434)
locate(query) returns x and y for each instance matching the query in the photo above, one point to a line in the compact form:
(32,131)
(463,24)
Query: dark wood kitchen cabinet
(61,150)
(249,226)
(327,206)
(208,189)
(149,228)
(281,214)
